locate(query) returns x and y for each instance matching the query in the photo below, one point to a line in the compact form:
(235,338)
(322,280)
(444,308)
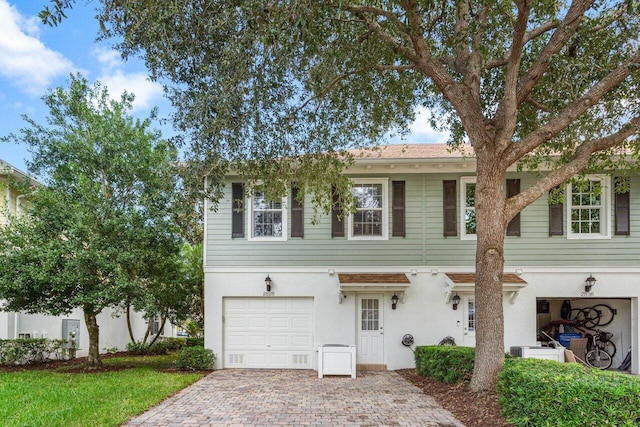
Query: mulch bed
(470,408)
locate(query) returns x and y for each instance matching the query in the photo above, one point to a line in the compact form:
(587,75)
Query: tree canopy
(100,234)
(525,82)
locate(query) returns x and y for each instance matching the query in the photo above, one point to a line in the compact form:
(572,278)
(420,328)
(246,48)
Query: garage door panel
(301,322)
(301,341)
(268,333)
(278,322)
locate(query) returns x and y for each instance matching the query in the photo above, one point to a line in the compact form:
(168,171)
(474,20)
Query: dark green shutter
(337,216)
(237,210)
(622,201)
(297,214)
(556,219)
(398,209)
(513,188)
(449,207)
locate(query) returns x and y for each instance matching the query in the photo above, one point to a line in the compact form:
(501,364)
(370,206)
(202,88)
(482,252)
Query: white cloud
(109,59)
(146,91)
(422,132)
(24,59)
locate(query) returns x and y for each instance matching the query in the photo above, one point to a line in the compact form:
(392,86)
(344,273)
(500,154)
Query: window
(588,208)
(468,203)
(471,315)
(370,218)
(268,218)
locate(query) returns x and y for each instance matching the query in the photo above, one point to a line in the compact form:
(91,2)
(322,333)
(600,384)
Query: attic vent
(300,359)
(235,359)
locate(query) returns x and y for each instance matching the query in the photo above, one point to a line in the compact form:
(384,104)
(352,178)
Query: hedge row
(536,392)
(23,351)
(163,345)
(445,363)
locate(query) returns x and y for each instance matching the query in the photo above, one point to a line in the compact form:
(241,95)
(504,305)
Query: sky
(35,58)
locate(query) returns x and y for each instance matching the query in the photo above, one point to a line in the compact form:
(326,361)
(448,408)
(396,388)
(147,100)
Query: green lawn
(56,398)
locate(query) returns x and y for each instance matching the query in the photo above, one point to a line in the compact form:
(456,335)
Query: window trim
(251,223)
(464,180)
(605,210)
(385,209)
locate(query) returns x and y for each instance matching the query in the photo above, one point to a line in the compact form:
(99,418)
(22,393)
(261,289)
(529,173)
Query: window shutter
(337,223)
(449,207)
(556,219)
(297,214)
(398,214)
(513,188)
(622,214)
(237,210)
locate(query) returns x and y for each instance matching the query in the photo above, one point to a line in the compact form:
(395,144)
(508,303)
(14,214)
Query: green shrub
(445,363)
(174,344)
(195,358)
(22,351)
(536,392)
(143,349)
(194,342)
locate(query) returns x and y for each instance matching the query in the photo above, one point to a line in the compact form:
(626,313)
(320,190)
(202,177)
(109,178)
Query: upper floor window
(267,218)
(588,208)
(468,203)
(371,216)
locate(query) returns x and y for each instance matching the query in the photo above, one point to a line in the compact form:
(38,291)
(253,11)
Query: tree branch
(579,161)
(565,117)
(558,40)
(536,32)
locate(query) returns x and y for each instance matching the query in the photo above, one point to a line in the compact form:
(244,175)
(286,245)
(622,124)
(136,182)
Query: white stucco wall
(424,313)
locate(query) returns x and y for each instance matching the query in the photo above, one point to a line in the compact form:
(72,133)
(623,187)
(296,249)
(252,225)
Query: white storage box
(337,359)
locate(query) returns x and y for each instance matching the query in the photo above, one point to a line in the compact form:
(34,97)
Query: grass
(56,398)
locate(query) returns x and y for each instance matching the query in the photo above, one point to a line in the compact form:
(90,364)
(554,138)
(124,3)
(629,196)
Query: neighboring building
(113,328)
(413,236)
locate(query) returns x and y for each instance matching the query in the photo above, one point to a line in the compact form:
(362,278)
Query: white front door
(469,321)
(370,330)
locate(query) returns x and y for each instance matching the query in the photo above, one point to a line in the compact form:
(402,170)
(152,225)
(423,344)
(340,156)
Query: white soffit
(466,283)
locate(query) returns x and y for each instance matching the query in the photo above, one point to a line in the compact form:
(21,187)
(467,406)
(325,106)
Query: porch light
(456,301)
(267,282)
(394,301)
(589,283)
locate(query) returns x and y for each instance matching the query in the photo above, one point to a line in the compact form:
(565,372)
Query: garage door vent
(235,359)
(300,359)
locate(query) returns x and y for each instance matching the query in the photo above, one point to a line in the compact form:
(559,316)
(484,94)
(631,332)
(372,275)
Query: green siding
(425,243)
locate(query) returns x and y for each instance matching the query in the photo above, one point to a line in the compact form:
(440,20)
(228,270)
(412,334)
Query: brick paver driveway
(236,397)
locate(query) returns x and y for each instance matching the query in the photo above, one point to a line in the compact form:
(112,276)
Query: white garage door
(268,333)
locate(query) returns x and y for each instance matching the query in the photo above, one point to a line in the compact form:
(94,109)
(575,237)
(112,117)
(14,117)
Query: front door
(370,330)
(469,321)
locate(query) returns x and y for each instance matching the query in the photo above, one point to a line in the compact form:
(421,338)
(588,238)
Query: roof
(8,169)
(459,278)
(414,151)
(386,278)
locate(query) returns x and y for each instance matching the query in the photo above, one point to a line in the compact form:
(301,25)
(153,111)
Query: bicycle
(590,317)
(597,357)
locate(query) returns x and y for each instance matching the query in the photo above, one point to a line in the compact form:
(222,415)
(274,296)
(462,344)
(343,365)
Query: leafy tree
(524,82)
(100,233)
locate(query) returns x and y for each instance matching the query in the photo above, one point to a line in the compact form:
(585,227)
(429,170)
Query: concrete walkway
(238,397)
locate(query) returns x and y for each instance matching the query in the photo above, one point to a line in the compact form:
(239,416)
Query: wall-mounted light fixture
(267,282)
(589,283)
(394,301)
(456,301)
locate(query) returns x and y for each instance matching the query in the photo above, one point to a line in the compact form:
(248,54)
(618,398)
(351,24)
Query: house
(279,286)
(13,325)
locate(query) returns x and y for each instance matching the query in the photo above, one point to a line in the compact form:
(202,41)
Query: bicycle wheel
(590,317)
(608,346)
(599,359)
(604,314)
(577,315)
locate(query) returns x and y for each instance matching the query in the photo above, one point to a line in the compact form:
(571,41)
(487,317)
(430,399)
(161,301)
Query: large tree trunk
(93,359)
(491,227)
(129,328)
